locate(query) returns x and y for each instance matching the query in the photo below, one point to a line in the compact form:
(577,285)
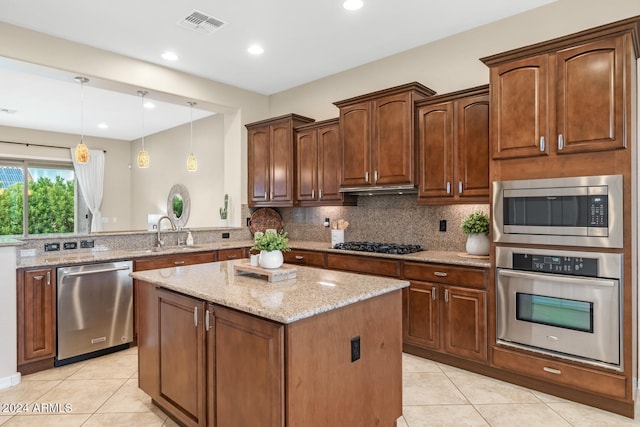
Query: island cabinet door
(249,370)
(181,357)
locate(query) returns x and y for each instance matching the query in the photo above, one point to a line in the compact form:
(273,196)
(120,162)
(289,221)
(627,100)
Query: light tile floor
(104,392)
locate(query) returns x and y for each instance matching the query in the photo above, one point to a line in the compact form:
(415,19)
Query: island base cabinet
(325,387)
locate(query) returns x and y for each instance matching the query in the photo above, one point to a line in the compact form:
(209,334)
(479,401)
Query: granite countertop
(313,291)
(101,255)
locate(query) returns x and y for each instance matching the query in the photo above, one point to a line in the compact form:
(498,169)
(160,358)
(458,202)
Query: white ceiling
(303,41)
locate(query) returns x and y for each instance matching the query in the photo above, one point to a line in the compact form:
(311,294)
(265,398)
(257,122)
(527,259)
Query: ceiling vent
(201,22)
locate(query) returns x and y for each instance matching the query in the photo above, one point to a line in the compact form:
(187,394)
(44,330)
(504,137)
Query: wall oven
(562,303)
(576,211)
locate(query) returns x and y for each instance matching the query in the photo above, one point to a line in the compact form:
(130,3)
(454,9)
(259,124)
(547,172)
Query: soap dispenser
(189,239)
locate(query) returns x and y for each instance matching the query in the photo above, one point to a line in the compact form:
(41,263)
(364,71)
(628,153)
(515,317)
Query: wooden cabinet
(304,257)
(377,135)
(453,145)
(319,165)
(363,264)
(36,298)
(270,160)
(565,97)
(230,254)
(445,309)
(173,260)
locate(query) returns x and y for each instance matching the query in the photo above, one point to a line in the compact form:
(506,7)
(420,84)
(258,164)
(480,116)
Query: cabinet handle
(448,187)
(552,371)
(207,321)
(195,316)
(232,256)
(313,194)
(320,195)
(299,257)
(265,195)
(440,274)
(434,296)
(48,278)
(366,176)
(542,143)
(271,196)
(560,142)
(178,262)
(38,277)
(446,295)
(375,177)
(459,187)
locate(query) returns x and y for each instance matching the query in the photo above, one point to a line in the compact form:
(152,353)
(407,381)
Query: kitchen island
(221,347)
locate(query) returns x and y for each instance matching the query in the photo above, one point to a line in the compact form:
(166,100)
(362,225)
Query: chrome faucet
(173,226)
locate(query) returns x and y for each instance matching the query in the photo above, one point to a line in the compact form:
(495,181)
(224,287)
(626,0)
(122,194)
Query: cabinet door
(464,323)
(249,373)
(302,257)
(355,128)
(307,165)
(392,142)
(329,164)
(591,97)
(421,324)
(181,348)
(36,302)
(258,165)
(281,167)
(519,111)
(435,133)
(472,146)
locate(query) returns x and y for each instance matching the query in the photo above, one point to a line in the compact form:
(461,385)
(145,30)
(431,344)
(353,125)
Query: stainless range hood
(380,190)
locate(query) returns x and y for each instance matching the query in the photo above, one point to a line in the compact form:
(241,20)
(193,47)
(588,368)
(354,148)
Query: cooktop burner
(384,248)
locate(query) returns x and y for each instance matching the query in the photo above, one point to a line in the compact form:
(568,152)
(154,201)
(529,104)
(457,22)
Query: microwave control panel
(598,209)
(575,266)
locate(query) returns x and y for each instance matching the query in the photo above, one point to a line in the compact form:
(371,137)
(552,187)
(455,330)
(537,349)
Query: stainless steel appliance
(95,310)
(383,248)
(577,211)
(563,303)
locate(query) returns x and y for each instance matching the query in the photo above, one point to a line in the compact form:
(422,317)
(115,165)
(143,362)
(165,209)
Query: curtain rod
(39,145)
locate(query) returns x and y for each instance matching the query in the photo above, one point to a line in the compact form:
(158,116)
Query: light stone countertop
(312,292)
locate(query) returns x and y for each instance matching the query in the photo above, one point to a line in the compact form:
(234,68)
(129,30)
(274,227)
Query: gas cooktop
(384,248)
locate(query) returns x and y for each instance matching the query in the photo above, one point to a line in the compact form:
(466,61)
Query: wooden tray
(285,272)
(466,255)
(263,219)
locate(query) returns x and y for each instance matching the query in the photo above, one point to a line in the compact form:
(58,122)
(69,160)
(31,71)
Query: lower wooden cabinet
(302,257)
(173,260)
(36,297)
(230,254)
(444,317)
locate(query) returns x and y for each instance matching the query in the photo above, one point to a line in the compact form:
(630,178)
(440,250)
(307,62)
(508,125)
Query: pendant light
(192,162)
(82,152)
(143,156)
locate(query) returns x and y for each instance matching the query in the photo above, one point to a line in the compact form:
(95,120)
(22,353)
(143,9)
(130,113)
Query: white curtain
(91,180)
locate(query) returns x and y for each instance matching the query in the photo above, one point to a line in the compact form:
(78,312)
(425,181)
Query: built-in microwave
(576,211)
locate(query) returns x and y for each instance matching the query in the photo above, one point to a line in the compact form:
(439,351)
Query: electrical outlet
(443,225)
(70,245)
(86,244)
(51,247)
(225,235)
(355,349)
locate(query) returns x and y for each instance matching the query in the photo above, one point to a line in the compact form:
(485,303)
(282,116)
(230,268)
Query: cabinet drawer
(472,277)
(174,260)
(561,373)
(364,264)
(310,258)
(229,254)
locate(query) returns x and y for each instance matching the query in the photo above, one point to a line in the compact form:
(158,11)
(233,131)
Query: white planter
(478,244)
(271,259)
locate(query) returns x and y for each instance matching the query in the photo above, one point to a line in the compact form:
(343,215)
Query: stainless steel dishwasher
(95,310)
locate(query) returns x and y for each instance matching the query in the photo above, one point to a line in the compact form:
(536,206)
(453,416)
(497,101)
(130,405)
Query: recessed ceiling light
(103,126)
(150,105)
(352,4)
(255,49)
(169,56)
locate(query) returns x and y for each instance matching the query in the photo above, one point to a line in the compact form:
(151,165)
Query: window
(38,197)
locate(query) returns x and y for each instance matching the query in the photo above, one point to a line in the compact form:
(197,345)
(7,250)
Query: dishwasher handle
(87,272)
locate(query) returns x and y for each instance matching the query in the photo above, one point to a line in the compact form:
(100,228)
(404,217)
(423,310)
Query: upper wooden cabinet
(569,95)
(319,165)
(377,135)
(453,145)
(270,160)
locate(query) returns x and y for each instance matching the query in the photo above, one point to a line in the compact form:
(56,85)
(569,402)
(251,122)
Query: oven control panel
(575,266)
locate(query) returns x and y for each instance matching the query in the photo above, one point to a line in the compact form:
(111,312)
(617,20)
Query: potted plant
(224,212)
(271,245)
(476,227)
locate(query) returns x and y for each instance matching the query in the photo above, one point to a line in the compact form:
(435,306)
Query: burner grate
(384,248)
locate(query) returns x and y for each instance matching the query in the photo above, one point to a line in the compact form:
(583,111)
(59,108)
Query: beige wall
(452,63)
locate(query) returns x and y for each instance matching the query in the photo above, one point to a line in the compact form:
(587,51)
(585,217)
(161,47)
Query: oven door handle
(593,281)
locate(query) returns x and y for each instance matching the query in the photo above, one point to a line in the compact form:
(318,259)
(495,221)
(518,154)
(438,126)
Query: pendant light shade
(192,162)
(82,152)
(143,156)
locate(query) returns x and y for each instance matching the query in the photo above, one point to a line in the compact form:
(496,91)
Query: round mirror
(179,205)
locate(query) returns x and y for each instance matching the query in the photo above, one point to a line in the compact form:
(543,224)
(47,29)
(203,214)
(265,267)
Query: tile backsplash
(392,219)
